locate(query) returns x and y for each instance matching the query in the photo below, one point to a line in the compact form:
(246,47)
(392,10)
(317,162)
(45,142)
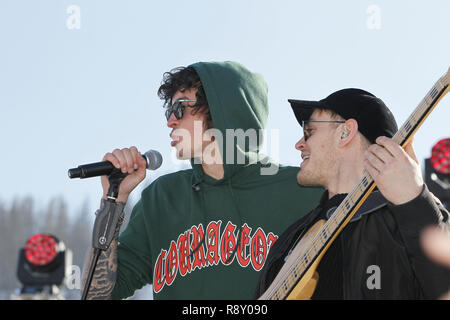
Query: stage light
(440,156)
(41,249)
(437,171)
(43,264)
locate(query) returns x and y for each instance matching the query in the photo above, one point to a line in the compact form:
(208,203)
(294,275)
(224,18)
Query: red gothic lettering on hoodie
(192,252)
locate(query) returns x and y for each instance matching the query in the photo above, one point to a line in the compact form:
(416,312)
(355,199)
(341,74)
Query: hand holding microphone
(124,169)
(128,160)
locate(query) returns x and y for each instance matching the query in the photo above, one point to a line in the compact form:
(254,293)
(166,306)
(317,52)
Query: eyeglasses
(177,108)
(307,131)
(305,122)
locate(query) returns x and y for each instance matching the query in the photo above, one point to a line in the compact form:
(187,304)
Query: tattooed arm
(105,273)
(130,161)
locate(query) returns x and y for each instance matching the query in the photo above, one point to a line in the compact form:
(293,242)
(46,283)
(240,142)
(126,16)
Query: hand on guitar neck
(395,171)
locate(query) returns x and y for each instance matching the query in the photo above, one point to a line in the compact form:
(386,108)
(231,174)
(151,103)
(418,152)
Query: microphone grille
(154,159)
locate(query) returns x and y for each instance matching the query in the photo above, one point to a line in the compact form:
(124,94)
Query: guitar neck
(356,197)
(423,110)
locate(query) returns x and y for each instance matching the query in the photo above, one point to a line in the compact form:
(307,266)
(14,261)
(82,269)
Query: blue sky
(69,95)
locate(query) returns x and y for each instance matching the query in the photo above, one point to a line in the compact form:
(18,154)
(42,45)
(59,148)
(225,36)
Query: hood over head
(238,105)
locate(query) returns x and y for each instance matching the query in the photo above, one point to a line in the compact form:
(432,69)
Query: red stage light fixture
(440,156)
(41,249)
(437,171)
(43,261)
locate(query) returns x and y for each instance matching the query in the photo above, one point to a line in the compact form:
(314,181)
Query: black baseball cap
(373,116)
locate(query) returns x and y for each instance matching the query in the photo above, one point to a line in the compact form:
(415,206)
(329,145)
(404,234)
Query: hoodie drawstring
(240,222)
(196,187)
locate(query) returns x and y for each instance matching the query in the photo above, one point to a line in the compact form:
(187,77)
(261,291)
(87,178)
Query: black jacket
(381,237)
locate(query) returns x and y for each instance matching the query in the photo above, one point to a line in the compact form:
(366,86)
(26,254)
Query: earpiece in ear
(344,135)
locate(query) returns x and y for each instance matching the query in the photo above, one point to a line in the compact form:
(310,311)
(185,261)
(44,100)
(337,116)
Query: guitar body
(307,284)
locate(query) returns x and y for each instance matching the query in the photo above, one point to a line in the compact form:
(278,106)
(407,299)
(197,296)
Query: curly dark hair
(185,78)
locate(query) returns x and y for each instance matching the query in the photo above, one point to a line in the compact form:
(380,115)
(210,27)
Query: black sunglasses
(177,108)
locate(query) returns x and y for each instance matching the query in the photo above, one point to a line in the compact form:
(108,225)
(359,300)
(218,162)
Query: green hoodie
(195,237)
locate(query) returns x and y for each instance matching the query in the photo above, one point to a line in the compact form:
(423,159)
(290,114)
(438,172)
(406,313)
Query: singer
(202,233)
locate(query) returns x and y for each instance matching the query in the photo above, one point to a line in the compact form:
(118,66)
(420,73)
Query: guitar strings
(336,219)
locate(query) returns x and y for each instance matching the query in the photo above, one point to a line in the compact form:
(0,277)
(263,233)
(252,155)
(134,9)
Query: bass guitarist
(378,255)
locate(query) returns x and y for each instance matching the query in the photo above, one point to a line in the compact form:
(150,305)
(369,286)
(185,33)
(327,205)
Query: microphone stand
(104,226)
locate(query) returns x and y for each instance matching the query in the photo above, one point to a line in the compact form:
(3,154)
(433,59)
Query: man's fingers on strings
(374,160)
(392,147)
(371,169)
(380,153)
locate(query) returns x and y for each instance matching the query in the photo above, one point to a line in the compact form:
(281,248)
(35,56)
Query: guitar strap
(374,202)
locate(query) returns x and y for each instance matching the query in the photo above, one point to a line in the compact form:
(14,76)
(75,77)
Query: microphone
(104,168)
